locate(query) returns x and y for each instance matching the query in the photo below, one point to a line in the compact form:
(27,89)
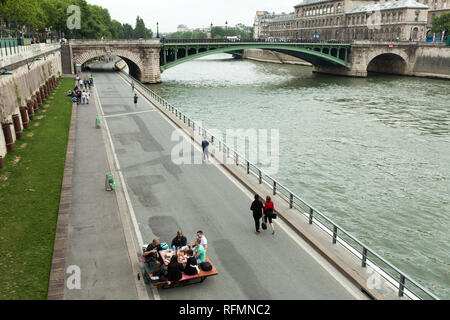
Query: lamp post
(210,31)
(157,30)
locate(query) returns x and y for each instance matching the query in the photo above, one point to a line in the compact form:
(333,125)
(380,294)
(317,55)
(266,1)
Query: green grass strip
(30,188)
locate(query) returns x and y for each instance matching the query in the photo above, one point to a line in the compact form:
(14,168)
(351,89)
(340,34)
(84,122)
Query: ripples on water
(373,154)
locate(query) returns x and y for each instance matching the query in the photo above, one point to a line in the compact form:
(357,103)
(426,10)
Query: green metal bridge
(175,52)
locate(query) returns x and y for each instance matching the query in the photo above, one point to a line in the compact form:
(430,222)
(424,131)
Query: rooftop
(388,5)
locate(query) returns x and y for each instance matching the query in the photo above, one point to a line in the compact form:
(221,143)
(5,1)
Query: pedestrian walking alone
(135,100)
(132,86)
(205,145)
(268,212)
(257,209)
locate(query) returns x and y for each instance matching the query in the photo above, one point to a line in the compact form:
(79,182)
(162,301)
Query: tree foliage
(34,16)
(441,23)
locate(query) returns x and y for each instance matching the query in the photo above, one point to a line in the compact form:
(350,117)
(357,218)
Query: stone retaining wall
(22,90)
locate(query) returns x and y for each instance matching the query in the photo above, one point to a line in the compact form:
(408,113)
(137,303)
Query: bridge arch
(388,62)
(317,55)
(133,61)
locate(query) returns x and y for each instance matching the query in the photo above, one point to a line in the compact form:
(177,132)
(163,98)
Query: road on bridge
(165,197)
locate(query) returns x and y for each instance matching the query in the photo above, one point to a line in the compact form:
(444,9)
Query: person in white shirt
(204,241)
(88,96)
(83,97)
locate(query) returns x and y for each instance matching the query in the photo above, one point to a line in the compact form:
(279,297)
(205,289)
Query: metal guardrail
(368,257)
(174,41)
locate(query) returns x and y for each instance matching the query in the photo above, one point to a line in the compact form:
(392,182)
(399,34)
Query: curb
(58,270)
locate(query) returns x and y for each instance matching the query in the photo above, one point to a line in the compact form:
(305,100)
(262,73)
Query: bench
(185,280)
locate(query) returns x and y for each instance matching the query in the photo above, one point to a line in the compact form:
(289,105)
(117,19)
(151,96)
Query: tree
(140,31)
(441,23)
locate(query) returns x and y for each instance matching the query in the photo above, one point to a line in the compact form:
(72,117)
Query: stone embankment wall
(23,93)
(432,62)
(272,56)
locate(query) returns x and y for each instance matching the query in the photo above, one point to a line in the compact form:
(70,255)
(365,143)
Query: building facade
(347,20)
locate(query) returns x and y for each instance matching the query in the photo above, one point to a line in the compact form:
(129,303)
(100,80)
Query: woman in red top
(268,212)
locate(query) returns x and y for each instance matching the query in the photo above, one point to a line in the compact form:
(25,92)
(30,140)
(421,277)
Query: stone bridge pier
(403,58)
(142,56)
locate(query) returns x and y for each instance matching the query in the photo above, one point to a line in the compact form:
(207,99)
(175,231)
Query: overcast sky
(193,13)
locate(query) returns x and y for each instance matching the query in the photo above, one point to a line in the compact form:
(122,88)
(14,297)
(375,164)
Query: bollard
(17,127)
(24,115)
(110,184)
(2,164)
(30,110)
(38,98)
(98,124)
(8,137)
(35,104)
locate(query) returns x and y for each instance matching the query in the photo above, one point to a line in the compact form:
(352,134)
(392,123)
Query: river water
(373,154)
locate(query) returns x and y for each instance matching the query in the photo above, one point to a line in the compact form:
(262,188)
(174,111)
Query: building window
(416,17)
(339,8)
(414,33)
(444,4)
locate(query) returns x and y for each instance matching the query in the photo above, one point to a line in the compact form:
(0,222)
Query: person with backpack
(257,209)
(268,212)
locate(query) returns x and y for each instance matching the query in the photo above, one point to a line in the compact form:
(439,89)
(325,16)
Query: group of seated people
(173,272)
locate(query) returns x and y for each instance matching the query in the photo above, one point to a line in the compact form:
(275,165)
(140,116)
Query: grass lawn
(30,188)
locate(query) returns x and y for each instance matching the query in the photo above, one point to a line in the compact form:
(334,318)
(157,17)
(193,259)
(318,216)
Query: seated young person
(200,252)
(174,270)
(191,264)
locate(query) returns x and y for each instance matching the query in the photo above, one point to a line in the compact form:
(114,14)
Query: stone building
(348,20)
(389,21)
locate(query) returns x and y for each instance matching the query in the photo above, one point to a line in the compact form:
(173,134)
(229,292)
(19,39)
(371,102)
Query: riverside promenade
(156,197)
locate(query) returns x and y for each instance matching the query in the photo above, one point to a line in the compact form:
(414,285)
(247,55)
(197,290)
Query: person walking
(205,145)
(135,100)
(257,209)
(132,86)
(268,212)
(83,97)
(88,96)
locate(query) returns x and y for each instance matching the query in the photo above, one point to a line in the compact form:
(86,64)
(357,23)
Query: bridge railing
(400,281)
(175,41)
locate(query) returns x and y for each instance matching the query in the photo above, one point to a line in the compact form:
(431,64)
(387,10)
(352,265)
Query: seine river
(373,154)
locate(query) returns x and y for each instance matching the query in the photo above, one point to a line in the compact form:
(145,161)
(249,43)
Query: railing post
(248,167)
(260,176)
(212,139)
(274,188)
(311,214)
(364,257)
(401,287)
(291,200)
(335,230)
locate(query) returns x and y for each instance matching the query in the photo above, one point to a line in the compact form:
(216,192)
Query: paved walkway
(165,197)
(96,241)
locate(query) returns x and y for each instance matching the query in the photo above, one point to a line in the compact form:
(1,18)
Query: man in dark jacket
(135,99)
(180,240)
(257,209)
